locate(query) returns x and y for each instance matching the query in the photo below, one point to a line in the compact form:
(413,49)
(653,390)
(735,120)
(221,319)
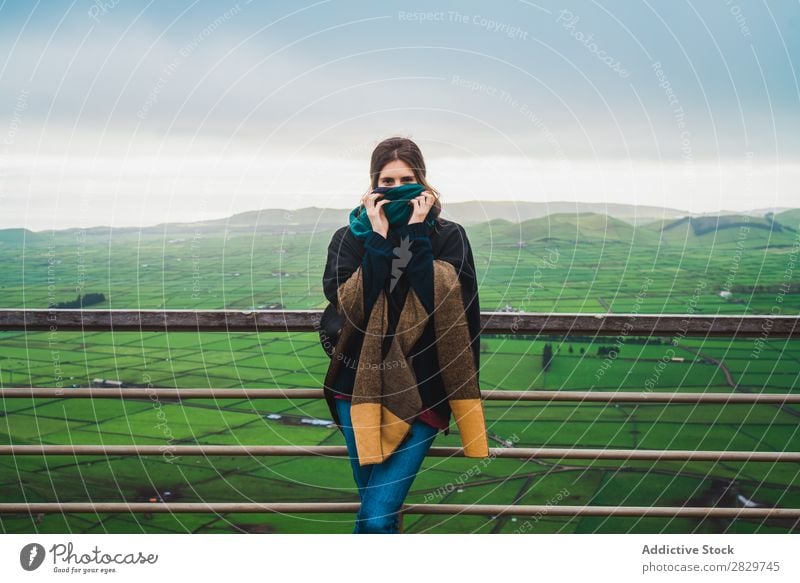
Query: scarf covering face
(397,212)
(386,398)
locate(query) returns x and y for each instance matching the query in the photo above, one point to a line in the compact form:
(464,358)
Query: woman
(402,330)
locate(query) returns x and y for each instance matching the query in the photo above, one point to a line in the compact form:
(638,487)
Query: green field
(588,263)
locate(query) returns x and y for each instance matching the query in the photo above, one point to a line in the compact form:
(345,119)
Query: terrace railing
(594,325)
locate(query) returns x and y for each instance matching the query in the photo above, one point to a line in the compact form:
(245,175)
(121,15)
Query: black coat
(448,242)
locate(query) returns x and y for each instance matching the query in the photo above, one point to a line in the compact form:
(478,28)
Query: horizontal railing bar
(352,507)
(603,324)
(489,395)
(340,450)
(640,397)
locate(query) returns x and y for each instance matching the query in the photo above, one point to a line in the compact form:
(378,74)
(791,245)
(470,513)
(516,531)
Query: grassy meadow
(561,263)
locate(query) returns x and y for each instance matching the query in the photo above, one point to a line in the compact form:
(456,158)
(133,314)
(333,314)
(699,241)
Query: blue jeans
(383,487)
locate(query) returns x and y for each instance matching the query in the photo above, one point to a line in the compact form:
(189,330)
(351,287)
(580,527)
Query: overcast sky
(125,113)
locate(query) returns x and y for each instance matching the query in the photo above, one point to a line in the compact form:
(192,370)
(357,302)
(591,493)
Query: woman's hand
(377,218)
(420,207)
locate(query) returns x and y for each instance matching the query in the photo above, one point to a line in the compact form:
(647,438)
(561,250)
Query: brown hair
(399,148)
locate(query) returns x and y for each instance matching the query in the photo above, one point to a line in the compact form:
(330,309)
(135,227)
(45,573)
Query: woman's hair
(398,148)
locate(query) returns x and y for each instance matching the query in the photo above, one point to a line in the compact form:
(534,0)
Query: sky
(125,113)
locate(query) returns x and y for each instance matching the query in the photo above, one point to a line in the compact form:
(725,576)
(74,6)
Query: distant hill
(499,223)
(17,236)
(475,212)
(789,219)
(584,227)
(734,228)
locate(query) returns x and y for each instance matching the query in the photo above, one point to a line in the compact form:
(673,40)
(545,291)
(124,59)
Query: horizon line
(685,213)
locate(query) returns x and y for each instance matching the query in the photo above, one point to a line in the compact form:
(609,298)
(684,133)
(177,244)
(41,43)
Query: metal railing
(491,323)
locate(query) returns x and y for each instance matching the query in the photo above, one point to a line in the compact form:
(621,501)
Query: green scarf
(397,212)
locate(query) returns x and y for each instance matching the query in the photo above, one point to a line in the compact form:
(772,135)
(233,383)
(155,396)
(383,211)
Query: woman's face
(395,173)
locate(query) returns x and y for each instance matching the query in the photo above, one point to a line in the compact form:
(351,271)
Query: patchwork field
(592,264)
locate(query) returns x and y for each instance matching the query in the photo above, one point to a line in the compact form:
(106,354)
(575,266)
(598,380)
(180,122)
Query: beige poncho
(385,397)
